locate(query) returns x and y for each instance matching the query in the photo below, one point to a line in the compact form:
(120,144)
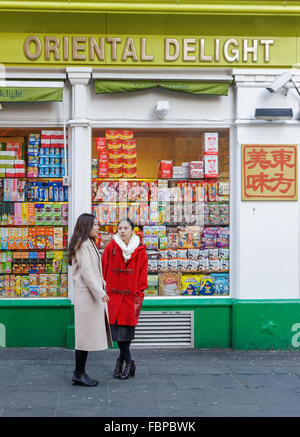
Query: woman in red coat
(125,265)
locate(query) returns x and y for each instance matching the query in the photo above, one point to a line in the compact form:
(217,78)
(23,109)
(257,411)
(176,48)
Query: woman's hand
(105,298)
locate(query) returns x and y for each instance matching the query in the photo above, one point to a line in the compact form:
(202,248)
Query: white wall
(36,114)
(267,233)
(137,107)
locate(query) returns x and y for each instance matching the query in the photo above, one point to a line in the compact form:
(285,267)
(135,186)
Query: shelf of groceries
(33,216)
(182,216)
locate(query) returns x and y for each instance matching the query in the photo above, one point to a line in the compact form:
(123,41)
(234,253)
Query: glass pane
(33,214)
(174,185)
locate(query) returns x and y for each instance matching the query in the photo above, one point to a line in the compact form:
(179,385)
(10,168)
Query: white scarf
(132,245)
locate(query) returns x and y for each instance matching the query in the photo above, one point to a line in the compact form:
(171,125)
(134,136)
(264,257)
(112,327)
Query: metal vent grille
(165,329)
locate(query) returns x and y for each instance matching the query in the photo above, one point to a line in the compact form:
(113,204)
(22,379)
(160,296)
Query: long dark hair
(83,227)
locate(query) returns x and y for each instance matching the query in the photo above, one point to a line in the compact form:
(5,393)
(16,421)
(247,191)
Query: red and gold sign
(269,172)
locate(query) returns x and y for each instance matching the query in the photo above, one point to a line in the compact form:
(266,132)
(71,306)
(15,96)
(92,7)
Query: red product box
(100,144)
(165,169)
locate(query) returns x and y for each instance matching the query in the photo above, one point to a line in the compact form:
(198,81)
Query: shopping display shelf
(161,179)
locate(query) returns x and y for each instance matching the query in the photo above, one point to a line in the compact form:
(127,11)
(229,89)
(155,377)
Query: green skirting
(218,323)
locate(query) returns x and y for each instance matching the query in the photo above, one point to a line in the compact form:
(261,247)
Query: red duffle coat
(125,283)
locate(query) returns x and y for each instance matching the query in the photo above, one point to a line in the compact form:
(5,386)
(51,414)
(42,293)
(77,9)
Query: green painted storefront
(222,323)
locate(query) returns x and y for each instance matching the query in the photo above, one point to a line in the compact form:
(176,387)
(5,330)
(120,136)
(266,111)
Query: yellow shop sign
(151,50)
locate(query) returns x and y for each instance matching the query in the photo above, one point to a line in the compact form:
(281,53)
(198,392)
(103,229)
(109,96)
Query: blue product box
(221,283)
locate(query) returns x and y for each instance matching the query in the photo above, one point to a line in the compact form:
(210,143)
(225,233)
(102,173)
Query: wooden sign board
(269,172)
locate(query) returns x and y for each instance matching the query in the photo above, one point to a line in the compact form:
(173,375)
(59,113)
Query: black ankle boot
(83,379)
(118,368)
(129,370)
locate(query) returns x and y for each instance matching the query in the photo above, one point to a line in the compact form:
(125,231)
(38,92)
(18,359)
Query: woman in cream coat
(92,330)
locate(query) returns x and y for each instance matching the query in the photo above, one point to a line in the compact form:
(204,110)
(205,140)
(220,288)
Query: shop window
(174,185)
(33,214)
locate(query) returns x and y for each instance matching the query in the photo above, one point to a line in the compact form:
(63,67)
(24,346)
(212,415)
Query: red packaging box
(165,169)
(100,144)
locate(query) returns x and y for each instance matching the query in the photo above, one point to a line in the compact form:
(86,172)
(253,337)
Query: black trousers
(80,361)
(124,347)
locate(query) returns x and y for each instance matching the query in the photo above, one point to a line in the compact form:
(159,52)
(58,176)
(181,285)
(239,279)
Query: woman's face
(95,229)
(125,231)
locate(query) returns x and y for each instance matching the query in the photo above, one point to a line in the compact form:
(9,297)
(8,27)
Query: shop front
(155,123)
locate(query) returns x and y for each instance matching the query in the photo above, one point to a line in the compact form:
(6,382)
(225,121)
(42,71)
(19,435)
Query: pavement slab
(169,383)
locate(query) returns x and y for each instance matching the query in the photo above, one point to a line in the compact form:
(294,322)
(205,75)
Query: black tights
(124,347)
(80,360)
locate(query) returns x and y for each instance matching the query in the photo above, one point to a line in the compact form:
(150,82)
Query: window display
(174,186)
(33,214)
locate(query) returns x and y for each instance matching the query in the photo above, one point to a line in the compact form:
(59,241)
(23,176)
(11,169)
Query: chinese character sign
(269,172)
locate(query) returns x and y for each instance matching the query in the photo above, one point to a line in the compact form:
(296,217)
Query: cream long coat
(92,330)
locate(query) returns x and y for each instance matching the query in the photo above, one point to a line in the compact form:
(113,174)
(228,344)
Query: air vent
(165,329)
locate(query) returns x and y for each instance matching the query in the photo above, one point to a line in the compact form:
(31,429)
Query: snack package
(162,265)
(112,134)
(152,288)
(193,254)
(224,265)
(152,265)
(213,191)
(151,242)
(221,283)
(58,238)
(172,240)
(182,264)
(182,253)
(213,253)
(206,286)
(203,265)
(163,243)
(163,254)
(169,284)
(125,134)
(172,265)
(190,285)
(209,238)
(224,253)
(203,253)
(223,237)
(214,265)
(192,265)
(172,253)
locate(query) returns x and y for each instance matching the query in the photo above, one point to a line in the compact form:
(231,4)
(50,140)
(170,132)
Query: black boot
(83,379)
(129,370)
(118,368)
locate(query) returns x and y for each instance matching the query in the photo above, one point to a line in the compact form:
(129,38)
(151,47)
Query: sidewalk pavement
(36,382)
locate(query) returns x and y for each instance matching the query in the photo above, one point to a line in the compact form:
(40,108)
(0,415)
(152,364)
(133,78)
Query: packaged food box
(114,144)
(211,166)
(169,284)
(112,134)
(125,134)
(128,145)
(211,143)
(129,172)
(100,144)
(165,169)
